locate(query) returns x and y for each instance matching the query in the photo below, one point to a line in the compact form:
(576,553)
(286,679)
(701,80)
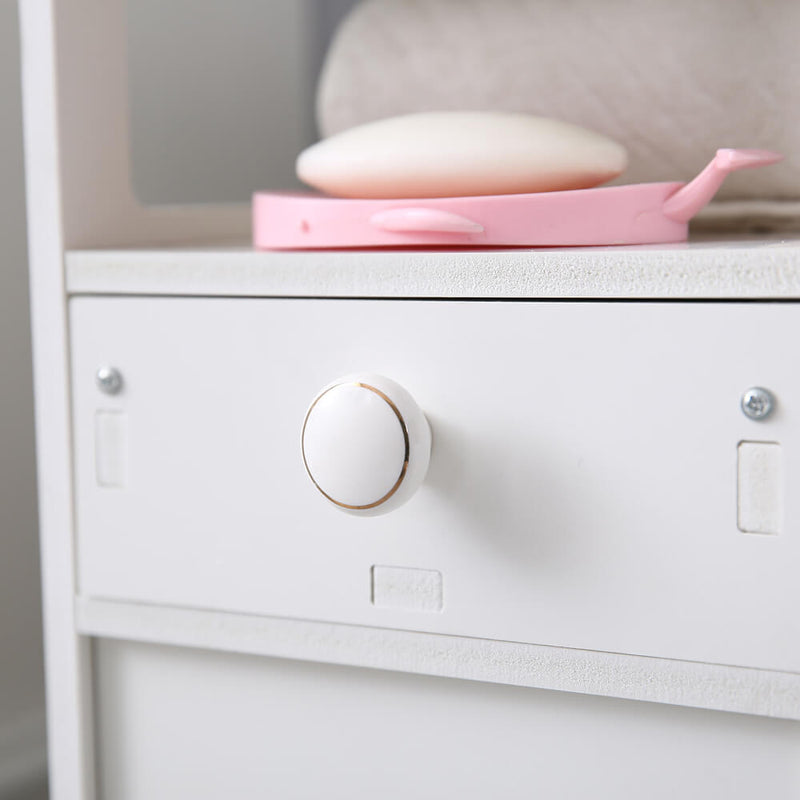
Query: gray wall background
(21,681)
(222,99)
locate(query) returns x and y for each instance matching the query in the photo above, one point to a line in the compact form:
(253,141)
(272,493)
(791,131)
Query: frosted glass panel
(222,94)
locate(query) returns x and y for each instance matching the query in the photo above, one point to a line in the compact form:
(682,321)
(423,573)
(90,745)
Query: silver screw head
(758,403)
(108,379)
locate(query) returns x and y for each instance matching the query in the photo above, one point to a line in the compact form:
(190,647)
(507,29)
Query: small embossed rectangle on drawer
(111,448)
(407,589)
(760,489)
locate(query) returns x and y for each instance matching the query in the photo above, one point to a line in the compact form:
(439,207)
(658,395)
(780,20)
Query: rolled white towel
(671,81)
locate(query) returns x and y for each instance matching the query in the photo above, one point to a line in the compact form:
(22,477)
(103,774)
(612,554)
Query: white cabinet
(586,524)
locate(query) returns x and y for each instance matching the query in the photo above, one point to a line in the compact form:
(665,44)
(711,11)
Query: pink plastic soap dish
(645,213)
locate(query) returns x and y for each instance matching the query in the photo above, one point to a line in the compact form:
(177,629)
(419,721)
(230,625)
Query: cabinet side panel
(66,654)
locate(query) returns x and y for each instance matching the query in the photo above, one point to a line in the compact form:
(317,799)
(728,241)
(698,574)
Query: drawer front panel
(583,488)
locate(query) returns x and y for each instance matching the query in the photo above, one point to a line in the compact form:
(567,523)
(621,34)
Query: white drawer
(582,490)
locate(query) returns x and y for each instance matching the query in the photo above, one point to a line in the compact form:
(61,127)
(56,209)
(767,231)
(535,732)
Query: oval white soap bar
(459,153)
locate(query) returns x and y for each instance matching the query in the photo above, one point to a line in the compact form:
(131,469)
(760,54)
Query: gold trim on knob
(400,419)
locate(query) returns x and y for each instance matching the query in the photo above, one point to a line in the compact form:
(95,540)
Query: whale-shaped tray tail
(696,194)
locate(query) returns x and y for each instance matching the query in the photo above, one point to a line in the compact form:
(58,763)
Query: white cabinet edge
(710,686)
(734,269)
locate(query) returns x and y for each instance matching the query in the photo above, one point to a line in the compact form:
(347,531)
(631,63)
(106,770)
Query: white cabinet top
(733,268)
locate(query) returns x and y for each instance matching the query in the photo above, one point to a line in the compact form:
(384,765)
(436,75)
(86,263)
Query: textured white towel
(672,81)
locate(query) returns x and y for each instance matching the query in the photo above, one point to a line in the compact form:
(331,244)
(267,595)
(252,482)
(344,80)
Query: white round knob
(366,444)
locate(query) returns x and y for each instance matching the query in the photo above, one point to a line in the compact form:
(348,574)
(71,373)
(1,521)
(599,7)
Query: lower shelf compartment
(182,723)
